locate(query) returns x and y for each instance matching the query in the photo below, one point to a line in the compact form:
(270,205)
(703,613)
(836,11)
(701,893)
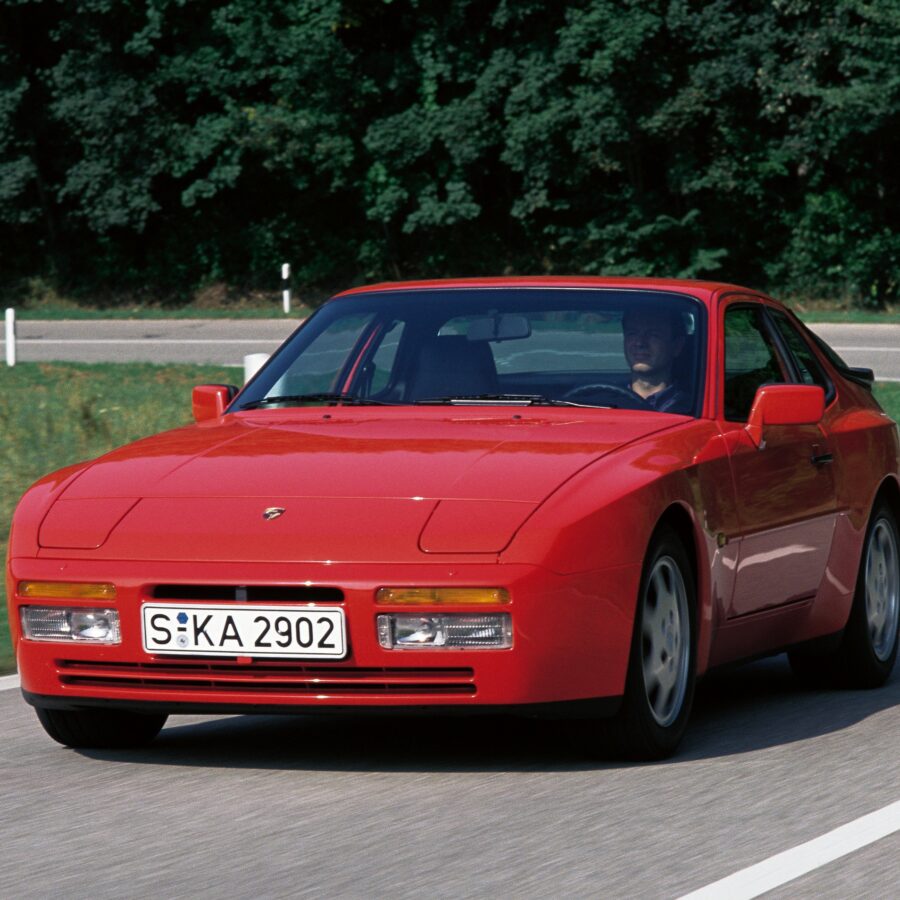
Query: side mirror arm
(754,427)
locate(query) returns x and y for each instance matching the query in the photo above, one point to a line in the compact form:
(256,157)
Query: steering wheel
(612,391)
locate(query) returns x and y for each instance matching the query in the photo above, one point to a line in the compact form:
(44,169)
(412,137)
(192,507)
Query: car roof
(702,290)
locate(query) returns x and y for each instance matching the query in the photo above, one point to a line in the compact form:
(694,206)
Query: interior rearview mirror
(506,327)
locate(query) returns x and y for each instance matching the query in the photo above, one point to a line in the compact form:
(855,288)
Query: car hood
(352,484)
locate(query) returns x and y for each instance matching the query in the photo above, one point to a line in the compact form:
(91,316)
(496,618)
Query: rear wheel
(868,648)
(659,688)
(870,641)
(100,728)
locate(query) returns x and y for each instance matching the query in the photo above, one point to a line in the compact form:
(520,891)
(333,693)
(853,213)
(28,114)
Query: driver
(653,339)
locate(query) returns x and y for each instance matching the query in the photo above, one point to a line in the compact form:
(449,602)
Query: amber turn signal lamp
(67,590)
(417,596)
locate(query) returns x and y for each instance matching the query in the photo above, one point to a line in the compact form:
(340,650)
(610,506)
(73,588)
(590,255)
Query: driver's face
(650,346)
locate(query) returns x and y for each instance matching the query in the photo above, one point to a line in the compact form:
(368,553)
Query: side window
(750,360)
(808,367)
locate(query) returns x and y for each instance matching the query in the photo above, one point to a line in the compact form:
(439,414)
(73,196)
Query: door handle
(821,459)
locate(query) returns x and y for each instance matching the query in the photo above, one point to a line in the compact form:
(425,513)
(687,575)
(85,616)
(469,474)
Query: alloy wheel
(665,641)
(882,587)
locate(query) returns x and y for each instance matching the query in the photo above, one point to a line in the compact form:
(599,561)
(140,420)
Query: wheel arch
(681,521)
(889,491)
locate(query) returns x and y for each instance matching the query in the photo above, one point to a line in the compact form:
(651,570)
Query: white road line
(804,858)
(9,682)
(867,349)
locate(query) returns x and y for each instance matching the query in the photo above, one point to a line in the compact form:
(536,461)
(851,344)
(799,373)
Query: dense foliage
(159,144)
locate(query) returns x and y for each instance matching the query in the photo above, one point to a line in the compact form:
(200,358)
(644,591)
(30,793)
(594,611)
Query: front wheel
(659,687)
(100,728)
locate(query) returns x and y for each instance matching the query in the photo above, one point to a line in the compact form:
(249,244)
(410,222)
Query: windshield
(521,346)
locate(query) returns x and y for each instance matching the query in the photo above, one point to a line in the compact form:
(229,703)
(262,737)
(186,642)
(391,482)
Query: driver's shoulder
(674,399)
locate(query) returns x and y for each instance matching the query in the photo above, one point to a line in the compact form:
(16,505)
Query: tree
(157,144)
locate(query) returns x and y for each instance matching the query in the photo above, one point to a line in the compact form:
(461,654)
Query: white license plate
(208,629)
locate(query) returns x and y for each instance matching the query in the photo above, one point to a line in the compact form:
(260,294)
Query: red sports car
(556,496)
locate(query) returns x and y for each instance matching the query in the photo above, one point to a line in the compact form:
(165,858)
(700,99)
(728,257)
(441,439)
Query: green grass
(888,394)
(52,415)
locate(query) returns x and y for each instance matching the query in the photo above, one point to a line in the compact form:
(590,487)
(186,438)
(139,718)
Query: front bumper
(571,638)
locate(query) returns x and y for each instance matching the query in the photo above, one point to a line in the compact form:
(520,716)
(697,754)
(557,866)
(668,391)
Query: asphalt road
(875,346)
(226,342)
(357,808)
(221,341)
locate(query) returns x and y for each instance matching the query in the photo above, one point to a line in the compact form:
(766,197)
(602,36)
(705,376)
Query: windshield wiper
(326,397)
(490,399)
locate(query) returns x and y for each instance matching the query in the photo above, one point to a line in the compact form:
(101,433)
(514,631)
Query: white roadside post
(253,362)
(286,287)
(10,337)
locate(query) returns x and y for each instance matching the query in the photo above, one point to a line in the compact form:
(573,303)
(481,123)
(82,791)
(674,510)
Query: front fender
(606,515)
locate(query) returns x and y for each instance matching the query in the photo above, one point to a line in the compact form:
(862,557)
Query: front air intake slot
(285,680)
(249,593)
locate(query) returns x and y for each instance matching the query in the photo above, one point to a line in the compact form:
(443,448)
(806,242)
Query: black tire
(655,707)
(100,728)
(868,649)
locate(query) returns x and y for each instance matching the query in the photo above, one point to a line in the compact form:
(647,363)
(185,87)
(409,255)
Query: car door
(784,489)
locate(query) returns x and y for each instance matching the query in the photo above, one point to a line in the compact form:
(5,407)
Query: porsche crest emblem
(273,512)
